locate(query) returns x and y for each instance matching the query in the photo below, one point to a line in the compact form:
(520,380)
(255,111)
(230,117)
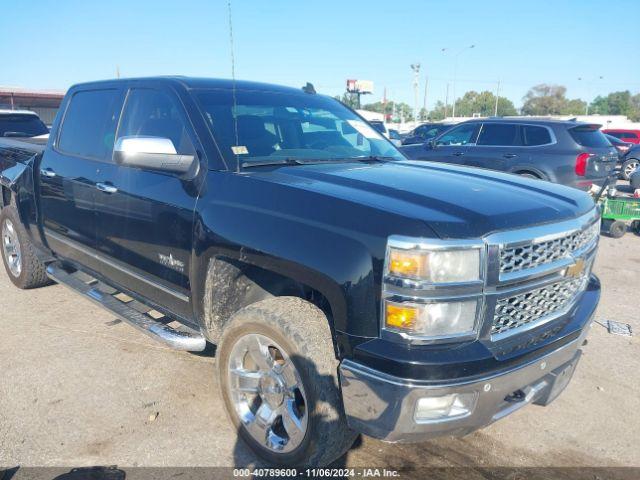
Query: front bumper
(383,406)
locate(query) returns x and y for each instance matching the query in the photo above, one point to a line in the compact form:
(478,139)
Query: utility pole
(495,112)
(117,71)
(446,102)
(416,83)
(424,103)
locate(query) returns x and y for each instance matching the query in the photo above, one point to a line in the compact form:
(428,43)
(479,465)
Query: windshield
(266,127)
(20,125)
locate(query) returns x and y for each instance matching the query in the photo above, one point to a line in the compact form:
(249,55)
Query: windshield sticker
(363,128)
(239,150)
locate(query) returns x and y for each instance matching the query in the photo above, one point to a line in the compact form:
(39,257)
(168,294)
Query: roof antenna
(233,84)
(309,88)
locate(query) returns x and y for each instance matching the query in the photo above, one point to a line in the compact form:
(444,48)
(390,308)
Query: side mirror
(152,153)
(431,144)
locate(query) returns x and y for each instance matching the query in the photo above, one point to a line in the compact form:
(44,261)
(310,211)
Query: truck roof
(197,83)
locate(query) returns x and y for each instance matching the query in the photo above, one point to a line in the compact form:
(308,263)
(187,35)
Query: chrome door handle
(106,188)
(47,172)
(510,155)
(458,154)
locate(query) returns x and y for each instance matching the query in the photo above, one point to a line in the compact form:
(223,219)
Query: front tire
(277,371)
(24,268)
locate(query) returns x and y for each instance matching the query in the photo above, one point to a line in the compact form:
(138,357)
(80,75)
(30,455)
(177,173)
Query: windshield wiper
(279,161)
(317,161)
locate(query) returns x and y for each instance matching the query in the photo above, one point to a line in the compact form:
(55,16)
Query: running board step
(128,310)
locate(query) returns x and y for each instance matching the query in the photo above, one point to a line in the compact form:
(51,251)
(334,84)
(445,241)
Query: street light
(589,84)
(416,79)
(455,73)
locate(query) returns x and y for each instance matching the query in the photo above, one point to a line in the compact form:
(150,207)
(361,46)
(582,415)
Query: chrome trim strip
(542,233)
(113,264)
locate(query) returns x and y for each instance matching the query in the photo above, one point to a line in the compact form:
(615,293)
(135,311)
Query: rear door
(145,219)
(497,148)
(70,169)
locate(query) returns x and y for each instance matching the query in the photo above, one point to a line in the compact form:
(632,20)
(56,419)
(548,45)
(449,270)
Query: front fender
(338,266)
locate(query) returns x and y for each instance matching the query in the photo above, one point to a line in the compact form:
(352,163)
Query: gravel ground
(81,389)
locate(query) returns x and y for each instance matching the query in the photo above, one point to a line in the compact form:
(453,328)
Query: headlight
(435,266)
(433,320)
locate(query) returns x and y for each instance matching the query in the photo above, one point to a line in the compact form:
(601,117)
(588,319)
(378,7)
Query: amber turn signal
(400,317)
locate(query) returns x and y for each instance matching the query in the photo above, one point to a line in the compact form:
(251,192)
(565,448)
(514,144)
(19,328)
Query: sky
(53,44)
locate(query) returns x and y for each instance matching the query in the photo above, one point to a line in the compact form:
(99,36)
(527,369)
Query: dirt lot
(79,389)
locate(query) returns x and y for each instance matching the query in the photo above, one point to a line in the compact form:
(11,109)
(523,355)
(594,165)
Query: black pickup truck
(347,289)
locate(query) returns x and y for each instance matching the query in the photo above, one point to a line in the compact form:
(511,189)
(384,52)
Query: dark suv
(567,152)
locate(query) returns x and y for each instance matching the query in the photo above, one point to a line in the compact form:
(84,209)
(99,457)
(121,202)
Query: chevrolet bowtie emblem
(575,270)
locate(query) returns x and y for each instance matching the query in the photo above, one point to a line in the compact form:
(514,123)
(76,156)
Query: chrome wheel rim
(630,168)
(11,248)
(267,393)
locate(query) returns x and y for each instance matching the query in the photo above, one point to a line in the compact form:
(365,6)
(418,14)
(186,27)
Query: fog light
(446,407)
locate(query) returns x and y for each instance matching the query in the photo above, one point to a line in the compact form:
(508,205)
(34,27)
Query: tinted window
(616,134)
(589,136)
(20,125)
(151,113)
(459,135)
(628,135)
(533,135)
(89,124)
(261,126)
(505,134)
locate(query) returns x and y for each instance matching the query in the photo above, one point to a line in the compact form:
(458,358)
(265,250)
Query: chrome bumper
(383,406)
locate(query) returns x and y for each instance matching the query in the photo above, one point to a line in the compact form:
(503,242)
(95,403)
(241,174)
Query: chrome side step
(140,316)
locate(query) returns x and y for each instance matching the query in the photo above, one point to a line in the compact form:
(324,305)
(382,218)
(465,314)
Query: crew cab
(347,289)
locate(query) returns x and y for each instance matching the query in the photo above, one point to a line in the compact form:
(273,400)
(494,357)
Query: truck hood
(455,202)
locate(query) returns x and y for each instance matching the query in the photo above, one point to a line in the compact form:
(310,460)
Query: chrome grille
(534,254)
(536,305)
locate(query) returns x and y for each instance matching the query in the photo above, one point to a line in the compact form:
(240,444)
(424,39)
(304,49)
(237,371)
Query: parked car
(627,135)
(21,123)
(347,289)
(566,152)
(395,137)
(630,162)
(425,132)
(621,146)
(379,126)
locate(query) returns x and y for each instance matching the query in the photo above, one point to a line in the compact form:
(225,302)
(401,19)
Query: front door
(145,217)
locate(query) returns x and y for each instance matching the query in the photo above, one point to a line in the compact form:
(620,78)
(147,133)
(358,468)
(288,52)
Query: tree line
(540,100)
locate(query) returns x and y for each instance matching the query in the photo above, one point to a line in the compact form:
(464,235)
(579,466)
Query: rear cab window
(21,125)
(89,124)
(589,136)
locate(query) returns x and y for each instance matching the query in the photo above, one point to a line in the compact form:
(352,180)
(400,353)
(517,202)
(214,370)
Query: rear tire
(628,167)
(24,268)
(293,383)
